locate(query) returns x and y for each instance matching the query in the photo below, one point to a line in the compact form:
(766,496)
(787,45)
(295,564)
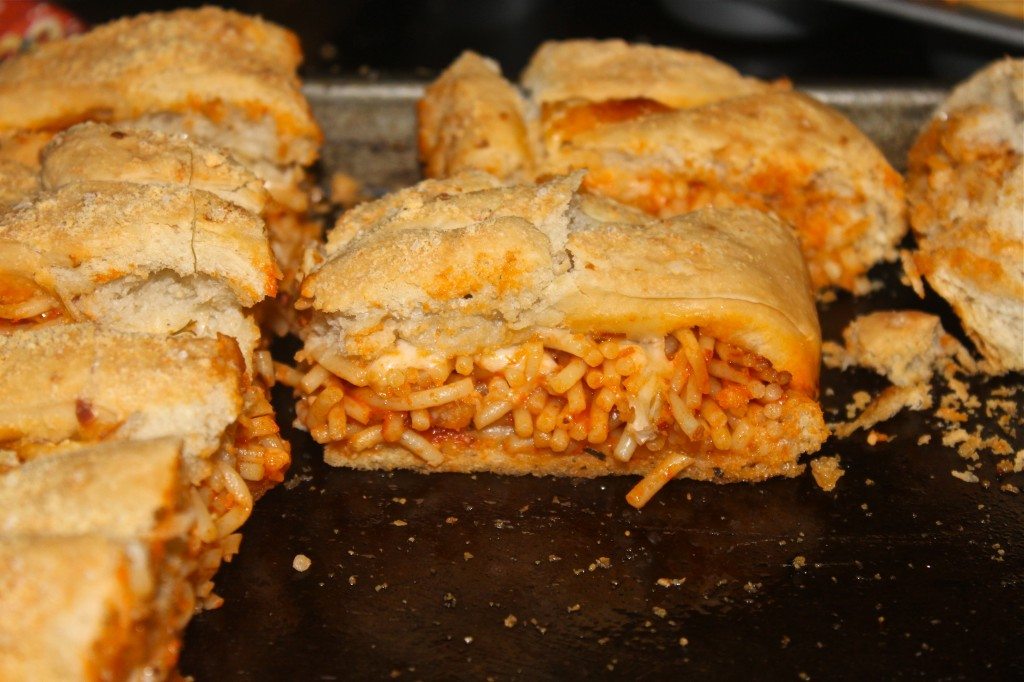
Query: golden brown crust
(560,259)
(206,59)
(84,383)
(736,273)
(670,131)
(122,490)
(95,151)
(966,196)
(500,245)
(89,233)
(395,205)
(601,70)
(471,117)
(781,152)
(17,183)
(68,607)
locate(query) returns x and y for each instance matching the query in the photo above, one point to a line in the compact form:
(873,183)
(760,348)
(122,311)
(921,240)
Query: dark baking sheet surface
(954,17)
(909,572)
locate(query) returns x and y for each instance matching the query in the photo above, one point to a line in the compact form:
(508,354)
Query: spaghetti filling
(557,393)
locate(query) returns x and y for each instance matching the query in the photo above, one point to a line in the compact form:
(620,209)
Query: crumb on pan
(905,346)
(827,472)
(885,406)
(301,563)
(965,476)
(876,437)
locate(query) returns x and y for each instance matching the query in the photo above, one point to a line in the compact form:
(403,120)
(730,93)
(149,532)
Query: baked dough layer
(966,198)
(670,131)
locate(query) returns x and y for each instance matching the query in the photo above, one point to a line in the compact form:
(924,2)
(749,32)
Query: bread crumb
(399,522)
(912,273)
(887,405)
(670,582)
(683,641)
(827,472)
(510,621)
(965,476)
(659,612)
(925,439)
(573,609)
(876,437)
(346,191)
(905,346)
(861,399)
(799,562)
(301,563)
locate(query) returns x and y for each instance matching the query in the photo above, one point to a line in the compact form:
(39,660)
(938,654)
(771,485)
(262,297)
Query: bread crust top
(189,59)
(670,131)
(88,233)
(547,256)
(97,151)
(599,70)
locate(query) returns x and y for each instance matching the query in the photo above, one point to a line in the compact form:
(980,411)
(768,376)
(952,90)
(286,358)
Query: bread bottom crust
(496,460)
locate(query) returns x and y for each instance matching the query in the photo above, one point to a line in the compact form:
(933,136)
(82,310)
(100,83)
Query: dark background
(824,41)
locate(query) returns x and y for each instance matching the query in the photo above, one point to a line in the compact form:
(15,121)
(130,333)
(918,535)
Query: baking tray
(960,18)
(909,571)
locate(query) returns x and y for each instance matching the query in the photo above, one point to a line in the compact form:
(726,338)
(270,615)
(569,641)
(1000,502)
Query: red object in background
(26,22)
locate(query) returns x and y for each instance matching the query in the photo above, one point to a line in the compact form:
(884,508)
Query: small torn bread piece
(905,346)
(670,131)
(79,608)
(529,329)
(966,198)
(886,405)
(153,258)
(827,471)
